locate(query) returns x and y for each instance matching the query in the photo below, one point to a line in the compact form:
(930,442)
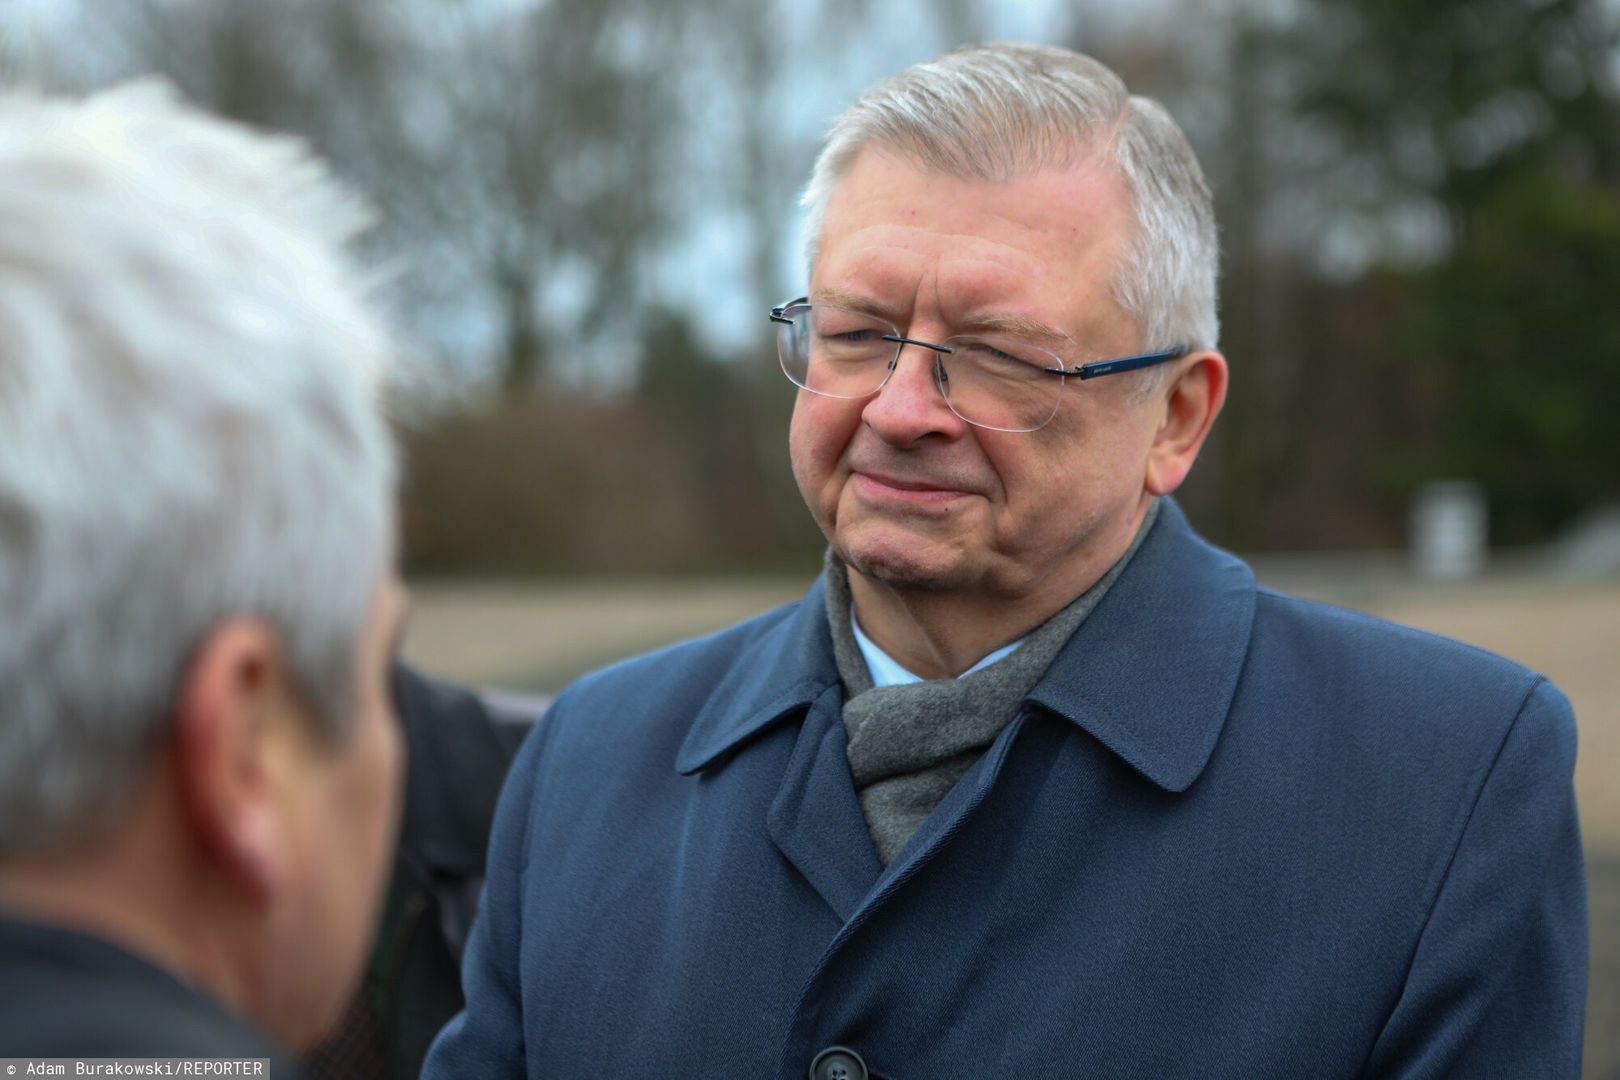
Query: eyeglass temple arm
(1124,363)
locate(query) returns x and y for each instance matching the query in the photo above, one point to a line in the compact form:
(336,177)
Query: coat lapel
(815,820)
(777,675)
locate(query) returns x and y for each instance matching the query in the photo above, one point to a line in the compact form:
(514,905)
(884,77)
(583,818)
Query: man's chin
(898,568)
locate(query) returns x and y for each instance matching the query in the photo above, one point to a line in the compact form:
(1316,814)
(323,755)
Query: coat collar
(1152,671)
(1150,674)
(779,672)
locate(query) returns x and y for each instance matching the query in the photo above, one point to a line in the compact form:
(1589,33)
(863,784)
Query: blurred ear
(229,723)
(1191,402)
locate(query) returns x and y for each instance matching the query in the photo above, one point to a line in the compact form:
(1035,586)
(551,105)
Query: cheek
(384,784)
(1052,487)
(368,797)
(817,437)
(395,780)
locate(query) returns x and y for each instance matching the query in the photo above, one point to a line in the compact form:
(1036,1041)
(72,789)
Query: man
(199,761)
(1034,783)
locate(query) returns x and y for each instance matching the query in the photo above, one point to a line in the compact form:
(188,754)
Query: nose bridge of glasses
(899,390)
(933,355)
(902,340)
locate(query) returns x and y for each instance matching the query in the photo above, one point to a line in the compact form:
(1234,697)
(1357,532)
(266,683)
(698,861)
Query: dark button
(838,1063)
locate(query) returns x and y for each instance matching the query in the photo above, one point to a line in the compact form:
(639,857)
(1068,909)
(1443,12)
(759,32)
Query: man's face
(342,821)
(909,494)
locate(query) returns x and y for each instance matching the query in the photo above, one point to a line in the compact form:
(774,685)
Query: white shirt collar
(886,671)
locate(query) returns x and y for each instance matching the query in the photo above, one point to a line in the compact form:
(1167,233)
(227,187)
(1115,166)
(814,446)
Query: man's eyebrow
(854,301)
(1014,325)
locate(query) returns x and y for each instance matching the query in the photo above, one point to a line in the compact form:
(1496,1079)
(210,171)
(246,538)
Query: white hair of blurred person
(997,112)
(188,431)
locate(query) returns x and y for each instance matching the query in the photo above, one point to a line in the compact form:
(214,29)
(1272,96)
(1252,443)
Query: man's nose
(910,405)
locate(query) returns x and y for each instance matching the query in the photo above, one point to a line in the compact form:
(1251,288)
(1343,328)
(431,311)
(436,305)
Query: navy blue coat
(1231,834)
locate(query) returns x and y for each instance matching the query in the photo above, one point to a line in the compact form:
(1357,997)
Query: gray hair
(995,112)
(189,430)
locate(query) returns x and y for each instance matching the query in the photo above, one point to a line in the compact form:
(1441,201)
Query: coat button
(838,1063)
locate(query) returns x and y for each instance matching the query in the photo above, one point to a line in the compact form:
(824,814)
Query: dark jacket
(71,995)
(1231,834)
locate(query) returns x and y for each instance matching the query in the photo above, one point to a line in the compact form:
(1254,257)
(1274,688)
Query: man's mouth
(904,490)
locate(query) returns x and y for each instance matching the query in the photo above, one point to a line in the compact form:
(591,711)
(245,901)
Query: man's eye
(864,337)
(1002,354)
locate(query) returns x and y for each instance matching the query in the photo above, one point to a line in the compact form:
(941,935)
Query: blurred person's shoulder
(74,994)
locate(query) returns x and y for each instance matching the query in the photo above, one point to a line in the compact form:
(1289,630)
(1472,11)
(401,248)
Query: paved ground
(539,637)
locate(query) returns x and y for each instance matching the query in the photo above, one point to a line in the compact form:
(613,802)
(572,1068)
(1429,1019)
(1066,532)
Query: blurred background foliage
(588,206)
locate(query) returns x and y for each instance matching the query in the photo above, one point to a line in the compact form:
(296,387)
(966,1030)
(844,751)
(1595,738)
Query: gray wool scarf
(909,745)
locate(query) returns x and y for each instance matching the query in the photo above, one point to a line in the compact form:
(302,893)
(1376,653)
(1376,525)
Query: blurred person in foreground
(1034,783)
(199,765)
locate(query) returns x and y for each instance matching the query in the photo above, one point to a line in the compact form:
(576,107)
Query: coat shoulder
(681,668)
(653,698)
(1402,675)
(1360,634)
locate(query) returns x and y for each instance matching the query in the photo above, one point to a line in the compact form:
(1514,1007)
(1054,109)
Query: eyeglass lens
(991,382)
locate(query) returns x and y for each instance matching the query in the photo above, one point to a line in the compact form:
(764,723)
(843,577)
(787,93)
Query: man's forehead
(1095,166)
(1034,257)
(1036,152)
(1054,210)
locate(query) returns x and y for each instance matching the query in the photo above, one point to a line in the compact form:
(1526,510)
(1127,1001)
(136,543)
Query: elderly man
(1034,783)
(198,756)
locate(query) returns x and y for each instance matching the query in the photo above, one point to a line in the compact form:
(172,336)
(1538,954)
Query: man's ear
(1191,403)
(225,754)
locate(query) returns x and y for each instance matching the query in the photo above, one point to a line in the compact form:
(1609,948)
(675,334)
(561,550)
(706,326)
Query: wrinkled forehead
(1096,160)
(1047,243)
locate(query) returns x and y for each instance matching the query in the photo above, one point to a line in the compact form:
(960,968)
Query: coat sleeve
(1497,984)
(486,1038)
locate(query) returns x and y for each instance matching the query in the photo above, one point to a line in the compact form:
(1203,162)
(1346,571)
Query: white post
(1449,530)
